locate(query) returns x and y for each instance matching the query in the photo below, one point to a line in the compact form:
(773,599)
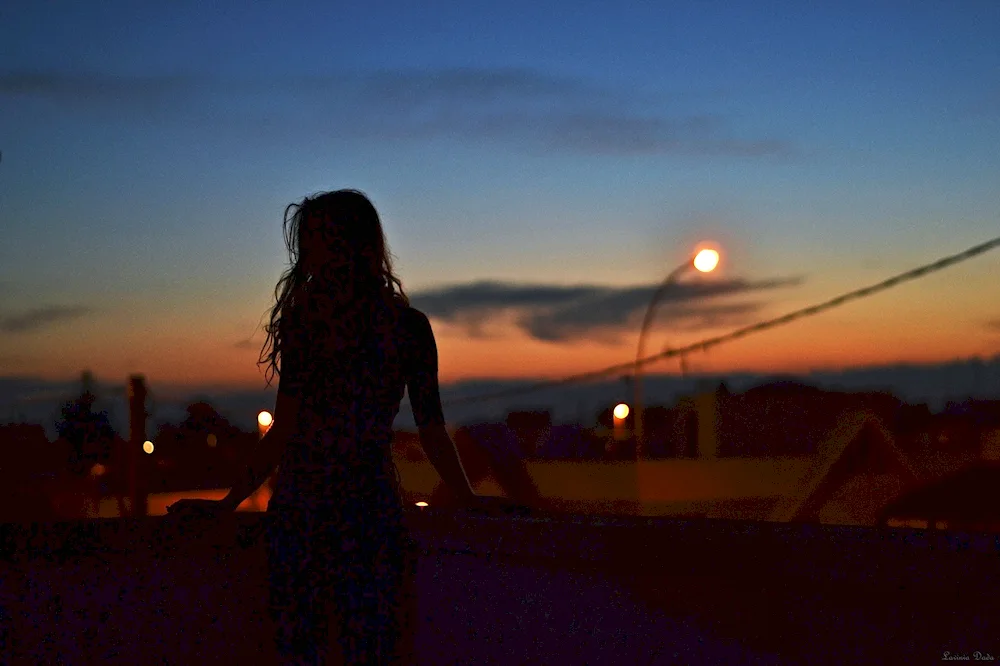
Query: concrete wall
(650,487)
(721,487)
(677,487)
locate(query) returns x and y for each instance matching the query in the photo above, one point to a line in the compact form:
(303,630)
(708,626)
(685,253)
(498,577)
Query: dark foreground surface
(520,590)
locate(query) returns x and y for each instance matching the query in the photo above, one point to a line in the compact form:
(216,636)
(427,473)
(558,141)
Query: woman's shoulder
(414,325)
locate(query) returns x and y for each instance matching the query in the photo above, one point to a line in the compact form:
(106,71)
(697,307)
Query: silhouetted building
(655,423)
(571,442)
(912,419)
(783,418)
(682,429)
(981,413)
(530,430)
(26,450)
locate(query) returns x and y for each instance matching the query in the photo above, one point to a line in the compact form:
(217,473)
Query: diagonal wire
(704,345)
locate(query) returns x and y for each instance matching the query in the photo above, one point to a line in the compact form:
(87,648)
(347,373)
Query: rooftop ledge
(568,537)
(536,588)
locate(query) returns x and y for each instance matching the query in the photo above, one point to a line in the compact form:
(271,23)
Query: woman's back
(350,375)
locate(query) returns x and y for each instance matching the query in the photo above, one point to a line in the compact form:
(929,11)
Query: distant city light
(147,446)
(621,411)
(264,418)
(98,470)
(212,440)
(706,260)
(421,503)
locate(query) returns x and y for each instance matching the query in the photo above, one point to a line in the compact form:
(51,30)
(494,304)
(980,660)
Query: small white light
(422,504)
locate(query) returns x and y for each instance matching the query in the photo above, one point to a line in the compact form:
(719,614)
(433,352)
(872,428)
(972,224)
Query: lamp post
(619,414)
(264,421)
(704,261)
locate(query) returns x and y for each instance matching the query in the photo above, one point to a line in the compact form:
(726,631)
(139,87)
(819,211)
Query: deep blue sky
(150,148)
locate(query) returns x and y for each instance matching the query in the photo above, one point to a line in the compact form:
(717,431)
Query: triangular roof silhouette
(858,436)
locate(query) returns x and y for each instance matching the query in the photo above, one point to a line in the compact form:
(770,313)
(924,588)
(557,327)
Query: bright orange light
(98,470)
(147,446)
(706,260)
(621,411)
(264,418)
(421,503)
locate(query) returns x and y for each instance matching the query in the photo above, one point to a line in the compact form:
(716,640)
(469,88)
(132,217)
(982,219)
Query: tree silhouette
(202,417)
(88,433)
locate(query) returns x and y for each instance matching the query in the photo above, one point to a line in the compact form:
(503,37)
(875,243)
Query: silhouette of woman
(348,343)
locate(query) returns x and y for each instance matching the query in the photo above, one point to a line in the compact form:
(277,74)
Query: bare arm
(443,455)
(425,400)
(267,453)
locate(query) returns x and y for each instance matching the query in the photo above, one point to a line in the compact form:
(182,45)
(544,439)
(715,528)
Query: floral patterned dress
(336,538)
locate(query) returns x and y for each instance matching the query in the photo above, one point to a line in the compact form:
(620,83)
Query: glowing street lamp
(264,421)
(147,446)
(620,413)
(704,260)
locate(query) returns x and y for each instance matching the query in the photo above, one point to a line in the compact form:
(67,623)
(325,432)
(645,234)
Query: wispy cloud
(100,89)
(533,109)
(247,343)
(558,313)
(39,318)
(87,84)
(542,112)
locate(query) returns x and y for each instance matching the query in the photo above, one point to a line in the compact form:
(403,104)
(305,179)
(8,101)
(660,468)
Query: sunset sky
(538,169)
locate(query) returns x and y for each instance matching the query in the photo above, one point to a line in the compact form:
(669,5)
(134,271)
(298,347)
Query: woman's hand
(199,508)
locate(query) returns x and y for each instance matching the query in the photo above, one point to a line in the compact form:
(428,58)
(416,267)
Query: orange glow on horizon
(822,343)
(932,322)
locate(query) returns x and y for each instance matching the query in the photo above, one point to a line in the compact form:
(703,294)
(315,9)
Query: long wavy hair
(336,245)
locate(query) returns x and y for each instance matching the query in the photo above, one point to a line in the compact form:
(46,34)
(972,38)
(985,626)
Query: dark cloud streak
(540,112)
(557,313)
(97,88)
(39,318)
